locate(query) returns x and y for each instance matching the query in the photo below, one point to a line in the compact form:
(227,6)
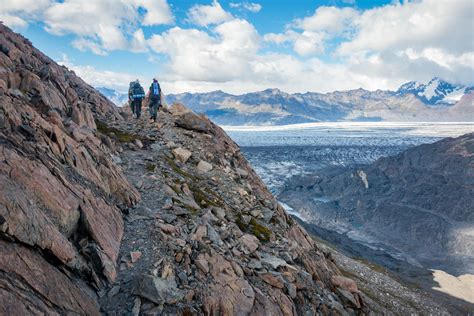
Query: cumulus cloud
(101,78)
(18,13)
(196,55)
(427,38)
(331,20)
(104,25)
(309,35)
(204,15)
(401,41)
(100,26)
(250,6)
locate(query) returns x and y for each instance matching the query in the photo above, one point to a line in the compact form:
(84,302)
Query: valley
(307,179)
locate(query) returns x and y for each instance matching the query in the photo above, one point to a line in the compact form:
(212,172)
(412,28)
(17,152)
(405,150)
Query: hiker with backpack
(154,99)
(136,94)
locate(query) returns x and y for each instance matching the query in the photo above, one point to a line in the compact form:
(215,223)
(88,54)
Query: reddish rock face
(59,188)
(30,285)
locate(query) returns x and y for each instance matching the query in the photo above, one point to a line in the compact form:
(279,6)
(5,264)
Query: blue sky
(241,46)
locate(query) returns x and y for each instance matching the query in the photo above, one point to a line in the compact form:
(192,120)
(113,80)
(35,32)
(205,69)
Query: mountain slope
(197,233)
(416,205)
(60,223)
(117,98)
(435,92)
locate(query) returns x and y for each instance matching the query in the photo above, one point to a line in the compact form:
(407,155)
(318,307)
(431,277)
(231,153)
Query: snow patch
(454,96)
(363,177)
(430,90)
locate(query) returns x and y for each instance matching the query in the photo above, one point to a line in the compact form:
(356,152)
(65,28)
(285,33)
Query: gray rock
(114,291)
(290,289)
(181,154)
(272,261)
(347,297)
(192,121)
(204,167)
(214,236)
(256,213)
(255,264)
(242,173)
(116,159)
(219,212)
(158,290)
(136,306)
(267,214)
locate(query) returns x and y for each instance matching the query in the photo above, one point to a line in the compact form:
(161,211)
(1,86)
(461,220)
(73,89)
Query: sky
(243,46)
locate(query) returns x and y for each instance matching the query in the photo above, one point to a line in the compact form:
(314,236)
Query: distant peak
(273,91)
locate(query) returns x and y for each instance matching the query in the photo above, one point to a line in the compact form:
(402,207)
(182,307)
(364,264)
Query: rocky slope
(60,192)
(416,205)
(196,233)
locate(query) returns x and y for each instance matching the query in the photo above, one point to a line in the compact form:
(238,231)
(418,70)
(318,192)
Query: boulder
(194,122)
(178,109)
(135,255)
(204,167)
(242,173)
(249,242)
(228,294)
(274,281)
(181,154)
(202,263)
(344,283)
(157,290)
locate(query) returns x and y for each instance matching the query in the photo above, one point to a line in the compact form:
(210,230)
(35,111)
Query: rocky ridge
(196,233)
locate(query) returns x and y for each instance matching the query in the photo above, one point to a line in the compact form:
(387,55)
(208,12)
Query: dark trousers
(137,107)
(154,105)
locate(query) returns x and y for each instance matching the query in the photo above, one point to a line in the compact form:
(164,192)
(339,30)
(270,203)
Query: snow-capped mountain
(436,100)
(436,91)
(116,97)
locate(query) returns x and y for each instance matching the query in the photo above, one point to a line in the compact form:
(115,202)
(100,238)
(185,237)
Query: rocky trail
(180,236)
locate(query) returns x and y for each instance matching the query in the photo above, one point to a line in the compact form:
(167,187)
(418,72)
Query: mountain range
(437,100)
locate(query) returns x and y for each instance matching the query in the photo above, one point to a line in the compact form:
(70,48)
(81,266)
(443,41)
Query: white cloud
(102,78)
(105,25)
(138,43)
(429,23)
(308,35)
(393,43)
(309,43)
(204,15)
(278,38)
(250,6)
(426,38)
(332,20)
(100,26)
(196,55)
(19,12)
(157,12)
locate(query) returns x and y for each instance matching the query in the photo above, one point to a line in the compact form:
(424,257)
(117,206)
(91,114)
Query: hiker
(136,94)
(154,99)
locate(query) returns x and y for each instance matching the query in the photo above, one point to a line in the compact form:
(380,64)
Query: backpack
(137,91)
(155,90)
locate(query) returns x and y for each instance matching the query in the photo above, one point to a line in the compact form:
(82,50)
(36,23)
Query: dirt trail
(139,233)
